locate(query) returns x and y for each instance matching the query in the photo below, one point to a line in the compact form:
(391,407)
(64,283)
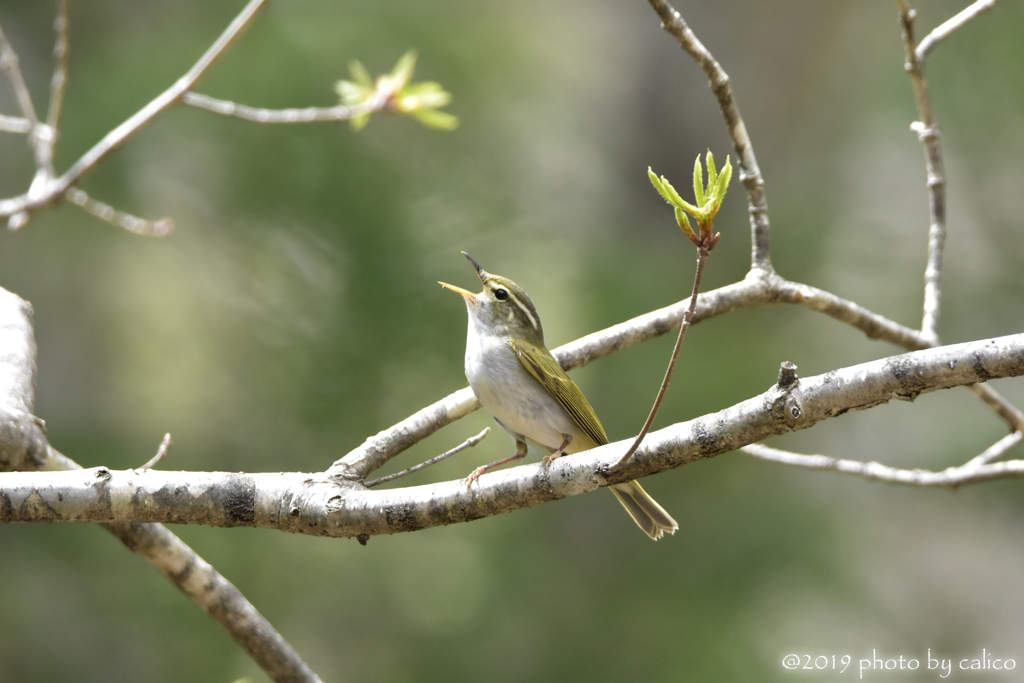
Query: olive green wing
(539,362)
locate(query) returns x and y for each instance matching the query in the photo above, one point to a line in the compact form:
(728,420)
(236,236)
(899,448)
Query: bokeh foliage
(293,312)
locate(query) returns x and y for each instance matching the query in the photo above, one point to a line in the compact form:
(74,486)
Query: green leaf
(698,182)
(712,172)
(359,74)
(724,178)
(351,93)
(359,122)
(656,181)
(684,223)
(403,69)
(432,118)
(673,197)
(423,96)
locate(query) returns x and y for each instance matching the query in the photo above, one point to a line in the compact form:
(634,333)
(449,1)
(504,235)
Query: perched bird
(520,383)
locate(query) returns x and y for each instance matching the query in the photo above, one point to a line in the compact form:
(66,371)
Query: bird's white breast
(510,393)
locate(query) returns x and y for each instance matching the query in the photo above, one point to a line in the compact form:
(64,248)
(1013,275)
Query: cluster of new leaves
(709,199)
(396,94)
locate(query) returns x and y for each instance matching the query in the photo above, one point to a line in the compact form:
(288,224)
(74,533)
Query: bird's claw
(473,476)
(548,459)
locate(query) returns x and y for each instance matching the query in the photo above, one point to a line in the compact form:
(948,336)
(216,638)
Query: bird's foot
(473,476)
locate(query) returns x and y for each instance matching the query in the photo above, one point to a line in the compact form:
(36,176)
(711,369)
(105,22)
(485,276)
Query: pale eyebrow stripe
(524,309)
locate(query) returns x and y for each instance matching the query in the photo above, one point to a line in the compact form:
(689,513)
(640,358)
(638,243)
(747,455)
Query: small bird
(520,383)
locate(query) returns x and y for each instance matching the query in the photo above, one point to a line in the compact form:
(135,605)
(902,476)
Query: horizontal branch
(14,124)
(975,471)
(256,115)
(123,220)
(320,505)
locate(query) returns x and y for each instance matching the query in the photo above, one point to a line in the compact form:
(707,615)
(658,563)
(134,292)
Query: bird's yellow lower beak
(466,294)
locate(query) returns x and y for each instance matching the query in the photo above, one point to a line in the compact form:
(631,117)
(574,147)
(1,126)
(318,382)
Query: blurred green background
(294,312)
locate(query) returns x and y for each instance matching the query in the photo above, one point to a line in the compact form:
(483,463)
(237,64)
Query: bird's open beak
(480,272)
(470,297)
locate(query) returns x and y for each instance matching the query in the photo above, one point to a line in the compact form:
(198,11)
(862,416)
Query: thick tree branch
(316,504)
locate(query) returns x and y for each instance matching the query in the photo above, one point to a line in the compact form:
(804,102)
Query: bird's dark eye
(501,294)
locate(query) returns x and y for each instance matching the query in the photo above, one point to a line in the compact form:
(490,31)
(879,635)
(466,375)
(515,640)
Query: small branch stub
(787,375)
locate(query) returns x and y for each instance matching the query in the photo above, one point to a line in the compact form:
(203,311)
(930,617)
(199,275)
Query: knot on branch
(925,133)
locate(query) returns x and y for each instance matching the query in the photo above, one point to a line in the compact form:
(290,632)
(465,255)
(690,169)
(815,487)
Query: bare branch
(14,124)
(140,226)
(53,190)
(60,68)
(928,134)
(996,450)
(10,64)
(750,173)
(471,441)
(323,506)
(288,116)
(871,324)
(952,477)
(943,31)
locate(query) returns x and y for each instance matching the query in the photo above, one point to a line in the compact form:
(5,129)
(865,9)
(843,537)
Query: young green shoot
(708,200)
(393,92)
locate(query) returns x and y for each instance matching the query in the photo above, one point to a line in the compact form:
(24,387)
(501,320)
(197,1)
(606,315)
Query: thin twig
(40,135)
(241,111)
(944,30)
(928,134)
(165,446)
(468,443)
(14,124)
(9,63)
(60,66)
(702,257)
(140,226)
(996,450)
(952,477)
(750,173)
(1002,407)
(55,189)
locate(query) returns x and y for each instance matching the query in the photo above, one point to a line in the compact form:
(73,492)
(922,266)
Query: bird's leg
(548,459)
(521,449)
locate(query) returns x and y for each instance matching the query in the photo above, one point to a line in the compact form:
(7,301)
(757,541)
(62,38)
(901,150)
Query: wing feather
(539,362)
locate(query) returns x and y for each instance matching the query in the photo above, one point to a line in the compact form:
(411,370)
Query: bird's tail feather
(644,510)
